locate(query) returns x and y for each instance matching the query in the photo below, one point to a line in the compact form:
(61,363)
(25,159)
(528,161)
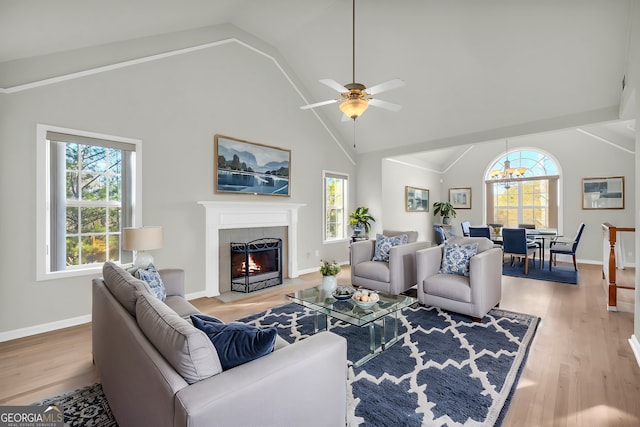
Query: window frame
(345,206)
(43,194)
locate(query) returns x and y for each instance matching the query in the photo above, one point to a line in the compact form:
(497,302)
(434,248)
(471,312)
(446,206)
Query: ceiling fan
(355,98)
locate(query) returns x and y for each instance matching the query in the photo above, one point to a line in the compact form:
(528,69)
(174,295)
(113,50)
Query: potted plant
(446,211)
(329,270)
(359,220)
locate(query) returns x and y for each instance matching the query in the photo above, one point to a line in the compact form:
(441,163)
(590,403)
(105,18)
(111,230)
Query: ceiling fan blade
(383,87)
(384,104)
(334,85)
(318,104)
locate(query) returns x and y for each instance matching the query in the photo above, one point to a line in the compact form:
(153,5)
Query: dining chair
(534,240)
(565,247)
(475,231)
(440,234)
(465,228)
(514,243)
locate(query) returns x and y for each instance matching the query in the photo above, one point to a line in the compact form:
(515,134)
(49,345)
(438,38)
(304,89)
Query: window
(531,198)
(335,206)
(86,195)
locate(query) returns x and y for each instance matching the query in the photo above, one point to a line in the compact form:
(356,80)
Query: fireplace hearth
(256,264)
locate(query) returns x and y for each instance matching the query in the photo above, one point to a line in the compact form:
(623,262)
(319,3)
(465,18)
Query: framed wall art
(416,199)
(603,193)
(460,198)
(245,167)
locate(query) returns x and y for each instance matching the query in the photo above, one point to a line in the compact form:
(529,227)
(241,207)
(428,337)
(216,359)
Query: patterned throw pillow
(384,244)
(456,258)
(153,279)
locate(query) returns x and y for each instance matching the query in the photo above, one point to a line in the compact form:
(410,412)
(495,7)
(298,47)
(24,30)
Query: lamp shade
(142,238)
(354,107)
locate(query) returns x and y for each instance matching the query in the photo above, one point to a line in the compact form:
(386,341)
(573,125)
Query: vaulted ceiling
(474,70)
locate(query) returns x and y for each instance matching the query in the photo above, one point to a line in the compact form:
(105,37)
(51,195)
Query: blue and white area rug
(559,273)
(445,370)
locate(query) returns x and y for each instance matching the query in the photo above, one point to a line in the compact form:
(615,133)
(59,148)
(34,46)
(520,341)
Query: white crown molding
(159,56)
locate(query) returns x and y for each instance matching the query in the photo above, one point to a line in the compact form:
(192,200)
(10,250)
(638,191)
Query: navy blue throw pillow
(236,343)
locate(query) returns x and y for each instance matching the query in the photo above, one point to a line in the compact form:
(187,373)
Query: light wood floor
(580,372)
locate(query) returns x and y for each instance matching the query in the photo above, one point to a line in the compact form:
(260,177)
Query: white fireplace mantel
(230,215)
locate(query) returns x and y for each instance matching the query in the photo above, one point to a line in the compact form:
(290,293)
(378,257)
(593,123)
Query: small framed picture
(460,198)
(416,199)
(603,193)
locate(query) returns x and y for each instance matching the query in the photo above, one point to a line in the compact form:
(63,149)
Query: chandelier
(508,175)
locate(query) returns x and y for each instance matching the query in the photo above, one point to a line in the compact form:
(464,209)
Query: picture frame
(244,167)
(416,199)
(603,193)
(460,198)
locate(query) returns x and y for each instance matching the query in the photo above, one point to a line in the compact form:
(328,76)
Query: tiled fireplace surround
(245,221)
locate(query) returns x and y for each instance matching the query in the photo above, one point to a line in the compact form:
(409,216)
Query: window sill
(330,242)
(80,272)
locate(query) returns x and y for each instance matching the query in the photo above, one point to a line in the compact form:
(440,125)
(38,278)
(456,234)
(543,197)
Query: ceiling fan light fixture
(354,107)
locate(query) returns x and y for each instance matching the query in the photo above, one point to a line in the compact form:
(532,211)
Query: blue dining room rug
(558,273)
(446,370)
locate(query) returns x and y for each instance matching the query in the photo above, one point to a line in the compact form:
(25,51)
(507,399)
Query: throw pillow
(153,279)
(236,343)
(384,244)
(456,258)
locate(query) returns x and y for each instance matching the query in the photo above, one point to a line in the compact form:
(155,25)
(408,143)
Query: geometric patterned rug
(446,369)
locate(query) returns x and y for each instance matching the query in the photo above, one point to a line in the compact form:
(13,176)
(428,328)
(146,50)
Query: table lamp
(141,239)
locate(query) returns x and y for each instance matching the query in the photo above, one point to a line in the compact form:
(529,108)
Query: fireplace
(232,215)
(256,264)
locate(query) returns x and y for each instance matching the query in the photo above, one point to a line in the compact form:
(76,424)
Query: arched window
(522,188)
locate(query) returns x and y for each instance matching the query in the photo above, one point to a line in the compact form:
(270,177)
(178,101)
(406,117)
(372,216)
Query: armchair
(395,276)
(472,295)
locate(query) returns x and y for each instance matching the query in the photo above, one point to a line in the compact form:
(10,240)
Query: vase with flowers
(329,270)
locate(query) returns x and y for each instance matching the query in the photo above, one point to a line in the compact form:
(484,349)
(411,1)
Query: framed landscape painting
(460,198)
(416,199)
(245,167)
(603,193)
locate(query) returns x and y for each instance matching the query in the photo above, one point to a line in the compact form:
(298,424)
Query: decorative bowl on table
(365,299)
(343,292)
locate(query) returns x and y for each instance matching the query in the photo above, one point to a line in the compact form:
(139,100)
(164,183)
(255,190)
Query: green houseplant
(360,219)
(329,271)
(446,211)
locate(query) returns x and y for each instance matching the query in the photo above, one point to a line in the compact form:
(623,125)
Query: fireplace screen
(256,265)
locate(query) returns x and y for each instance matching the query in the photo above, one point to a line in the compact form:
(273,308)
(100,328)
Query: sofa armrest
(301,384)
(362,251)
(485,277)
(173,279)
(428,262)
(402,265)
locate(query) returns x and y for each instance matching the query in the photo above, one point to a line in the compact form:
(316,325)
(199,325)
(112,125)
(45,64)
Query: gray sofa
(395,276)
(157,369)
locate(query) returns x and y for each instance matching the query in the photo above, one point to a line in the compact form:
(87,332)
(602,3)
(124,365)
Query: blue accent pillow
(236,343)
(456,258)
(384,244)
(153,279)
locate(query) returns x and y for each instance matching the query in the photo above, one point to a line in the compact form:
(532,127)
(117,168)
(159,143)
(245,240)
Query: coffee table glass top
(322,301)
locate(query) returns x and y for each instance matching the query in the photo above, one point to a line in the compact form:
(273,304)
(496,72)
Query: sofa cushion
(186,348)
(373,270)
(152,278)
(456,258)
(181,306)
(384,244)
(449,286)
(484,244)
(236,343)
(123,286)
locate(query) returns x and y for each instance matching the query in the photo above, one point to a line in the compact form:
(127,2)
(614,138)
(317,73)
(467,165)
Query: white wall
(175,106)
(395,176)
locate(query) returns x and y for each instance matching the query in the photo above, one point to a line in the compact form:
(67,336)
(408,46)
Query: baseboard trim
(45,327)
(635,346)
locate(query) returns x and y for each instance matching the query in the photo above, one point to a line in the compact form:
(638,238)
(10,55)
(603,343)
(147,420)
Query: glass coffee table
(383,314)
